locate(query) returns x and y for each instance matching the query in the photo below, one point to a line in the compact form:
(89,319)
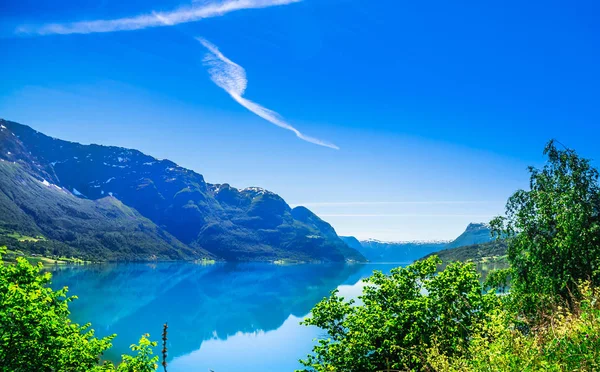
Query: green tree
(144,361)
(397,318)
(553,230)
(36,333)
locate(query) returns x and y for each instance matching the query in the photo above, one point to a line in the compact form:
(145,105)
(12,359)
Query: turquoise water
(224,317)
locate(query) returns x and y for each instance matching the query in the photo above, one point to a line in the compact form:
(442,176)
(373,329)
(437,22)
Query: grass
(25,238)
(287,262)
(11,256)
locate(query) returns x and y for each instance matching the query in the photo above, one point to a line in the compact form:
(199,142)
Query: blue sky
(436,107)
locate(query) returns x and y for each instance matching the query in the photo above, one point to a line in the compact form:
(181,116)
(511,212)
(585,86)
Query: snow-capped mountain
(407,251)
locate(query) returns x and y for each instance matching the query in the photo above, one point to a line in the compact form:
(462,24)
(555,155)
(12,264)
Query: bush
(553,231)
(568,341)
(415,319)
(36,333)
(400,317)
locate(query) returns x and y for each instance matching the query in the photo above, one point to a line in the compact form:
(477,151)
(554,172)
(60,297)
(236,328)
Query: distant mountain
(475,233)
(380,251)
(149,207)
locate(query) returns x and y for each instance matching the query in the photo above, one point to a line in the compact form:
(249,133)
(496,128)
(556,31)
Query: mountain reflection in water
(225,316)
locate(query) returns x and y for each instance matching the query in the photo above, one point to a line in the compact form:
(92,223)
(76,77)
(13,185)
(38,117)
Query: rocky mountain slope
(379,251)
(475,233)
(194,218)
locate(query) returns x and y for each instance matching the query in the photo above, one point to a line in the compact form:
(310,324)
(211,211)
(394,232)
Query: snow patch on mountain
(76,192)
(257,190)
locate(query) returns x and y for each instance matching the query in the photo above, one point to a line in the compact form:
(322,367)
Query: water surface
(224,317)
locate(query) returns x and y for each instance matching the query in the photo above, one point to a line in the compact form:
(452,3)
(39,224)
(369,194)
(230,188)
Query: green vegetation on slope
(487,257)
(103,229)
(419,318)
(475,253)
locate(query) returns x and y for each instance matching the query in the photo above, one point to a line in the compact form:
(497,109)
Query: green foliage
(143,361)
(399,317)
(553,230)
(570,341)
(36,333)
(415,319)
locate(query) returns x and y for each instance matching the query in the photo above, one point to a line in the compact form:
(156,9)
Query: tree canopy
(420,318)
(553,229)
(36,333)
(398,317)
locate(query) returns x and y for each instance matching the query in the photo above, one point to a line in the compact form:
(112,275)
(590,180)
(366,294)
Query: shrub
(36,333)
(553,231)
(400,316)
(566,341)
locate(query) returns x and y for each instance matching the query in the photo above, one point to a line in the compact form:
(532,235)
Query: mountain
(378,251)
(71,226)
(167,205)
(475,233)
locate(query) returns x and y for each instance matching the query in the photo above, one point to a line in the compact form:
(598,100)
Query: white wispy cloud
(231,77)
(152,19)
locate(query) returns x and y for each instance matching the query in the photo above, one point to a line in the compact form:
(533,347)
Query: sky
(391,120)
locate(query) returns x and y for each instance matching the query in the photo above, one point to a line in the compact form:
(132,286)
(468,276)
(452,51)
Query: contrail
(153,19)
(232,78)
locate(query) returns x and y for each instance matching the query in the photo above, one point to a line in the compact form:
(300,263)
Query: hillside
(69,226)
(181,211)
(474,252)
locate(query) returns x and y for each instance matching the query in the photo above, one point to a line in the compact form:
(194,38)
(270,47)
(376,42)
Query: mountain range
(409,251)
(112,203)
